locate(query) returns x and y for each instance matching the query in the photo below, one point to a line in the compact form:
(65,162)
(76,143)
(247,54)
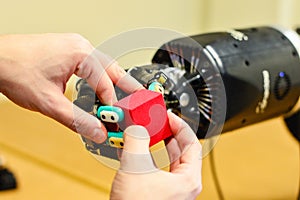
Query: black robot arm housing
(238,78)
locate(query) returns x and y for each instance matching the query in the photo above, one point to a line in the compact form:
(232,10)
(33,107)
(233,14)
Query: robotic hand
(231,79)
(218,82)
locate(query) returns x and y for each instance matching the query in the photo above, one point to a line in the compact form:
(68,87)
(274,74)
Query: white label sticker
(238,35)
(261,106)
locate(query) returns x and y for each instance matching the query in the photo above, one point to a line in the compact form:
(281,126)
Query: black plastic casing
(260,69)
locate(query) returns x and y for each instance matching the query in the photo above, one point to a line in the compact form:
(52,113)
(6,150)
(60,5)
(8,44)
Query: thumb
(88,126)
(63,111)
(136,157)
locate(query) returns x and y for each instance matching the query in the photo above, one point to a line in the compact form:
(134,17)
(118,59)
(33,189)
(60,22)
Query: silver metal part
(291,35)
(184,99)
(213,56)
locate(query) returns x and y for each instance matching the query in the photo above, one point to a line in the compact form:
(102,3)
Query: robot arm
(218,82)
(235,78)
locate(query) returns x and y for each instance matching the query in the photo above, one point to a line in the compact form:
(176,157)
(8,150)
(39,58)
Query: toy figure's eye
(115,139)
(160,89)
(156,87)
(116,142)
(110,114)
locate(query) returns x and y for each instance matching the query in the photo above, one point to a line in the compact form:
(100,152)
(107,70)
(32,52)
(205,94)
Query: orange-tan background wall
(257,162)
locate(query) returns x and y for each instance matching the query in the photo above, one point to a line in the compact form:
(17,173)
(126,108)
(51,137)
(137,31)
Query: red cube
(146,108)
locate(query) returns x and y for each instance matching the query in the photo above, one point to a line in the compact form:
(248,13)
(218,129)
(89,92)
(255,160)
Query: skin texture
(35,70)
(34,73)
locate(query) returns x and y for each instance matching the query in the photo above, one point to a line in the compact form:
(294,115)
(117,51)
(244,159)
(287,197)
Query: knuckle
(79,43)
(76,36)
(194,184)
(197,188)
(49,106)
(120,70)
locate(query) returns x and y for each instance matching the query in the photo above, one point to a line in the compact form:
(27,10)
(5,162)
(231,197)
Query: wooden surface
(48,157)
(38,181)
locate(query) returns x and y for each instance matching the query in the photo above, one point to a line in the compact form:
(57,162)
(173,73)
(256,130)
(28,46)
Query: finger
(187,141)
(88,126)
(136,157)
(123,80)
(181,131)
(118,75)
(93,71)
(174,153)
(63,111)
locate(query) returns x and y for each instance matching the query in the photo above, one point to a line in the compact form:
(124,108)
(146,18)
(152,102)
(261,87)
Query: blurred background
(49,161)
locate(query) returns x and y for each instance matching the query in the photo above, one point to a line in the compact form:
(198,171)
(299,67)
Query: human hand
(35,70)
(138,178)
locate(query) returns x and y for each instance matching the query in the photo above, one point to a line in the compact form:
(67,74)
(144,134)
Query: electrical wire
(216,180)
(298,31)
(299,165)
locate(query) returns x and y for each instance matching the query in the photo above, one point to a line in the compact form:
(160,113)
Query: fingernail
(136,140)
(137,132)
(98,136)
